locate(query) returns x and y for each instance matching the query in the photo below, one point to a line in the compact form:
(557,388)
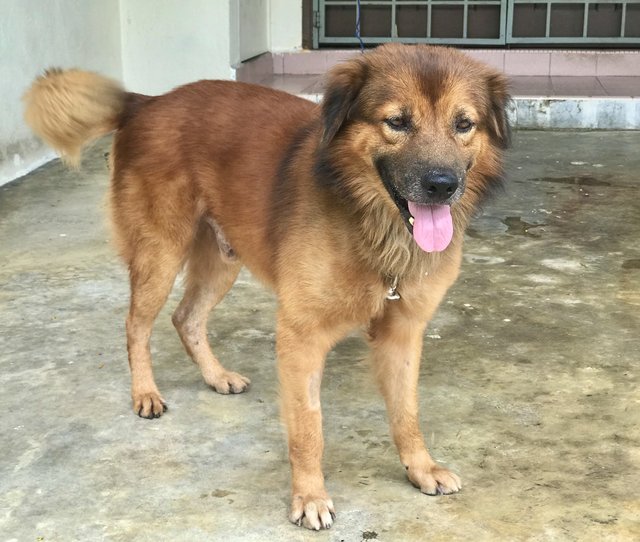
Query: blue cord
(358,26)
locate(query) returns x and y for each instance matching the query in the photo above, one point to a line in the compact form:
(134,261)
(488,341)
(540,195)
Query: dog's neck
(387,247)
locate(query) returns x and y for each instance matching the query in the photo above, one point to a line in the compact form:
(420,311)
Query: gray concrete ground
(530,382)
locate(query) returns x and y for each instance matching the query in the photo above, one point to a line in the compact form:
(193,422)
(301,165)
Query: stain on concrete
(631,264)
(575,180)
(516,226)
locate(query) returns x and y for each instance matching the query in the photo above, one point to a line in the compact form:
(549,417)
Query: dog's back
(205,148)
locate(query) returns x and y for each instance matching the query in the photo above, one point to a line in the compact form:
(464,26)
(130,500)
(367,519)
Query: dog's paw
(312,511)
(149,405)
(434,480)
(228,382)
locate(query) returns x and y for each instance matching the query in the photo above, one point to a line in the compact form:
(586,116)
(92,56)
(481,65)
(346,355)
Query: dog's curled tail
(71,108)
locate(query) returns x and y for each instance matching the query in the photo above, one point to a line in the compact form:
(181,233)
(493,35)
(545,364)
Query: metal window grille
(478,22)
(574,21)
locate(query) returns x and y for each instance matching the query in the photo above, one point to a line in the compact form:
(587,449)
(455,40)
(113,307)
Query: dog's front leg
(396,341)
(301,358)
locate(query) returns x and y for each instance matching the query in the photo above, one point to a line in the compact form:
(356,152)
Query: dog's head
(429,121)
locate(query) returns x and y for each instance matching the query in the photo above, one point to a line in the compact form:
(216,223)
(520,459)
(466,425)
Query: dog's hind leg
(211,271)
(152,271)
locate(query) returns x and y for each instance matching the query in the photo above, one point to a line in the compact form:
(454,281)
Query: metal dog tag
(392,294)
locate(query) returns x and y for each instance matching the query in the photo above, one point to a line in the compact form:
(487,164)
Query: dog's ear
(499,100)
(343,86)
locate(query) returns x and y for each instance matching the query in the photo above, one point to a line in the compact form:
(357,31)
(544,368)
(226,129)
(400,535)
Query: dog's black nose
(439,185)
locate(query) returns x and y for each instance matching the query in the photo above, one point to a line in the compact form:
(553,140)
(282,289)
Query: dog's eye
(397,123)
(464,125)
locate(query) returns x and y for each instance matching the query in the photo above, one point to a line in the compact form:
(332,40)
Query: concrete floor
(530,386)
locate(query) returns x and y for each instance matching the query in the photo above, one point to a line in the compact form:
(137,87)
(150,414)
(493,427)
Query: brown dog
(368,195)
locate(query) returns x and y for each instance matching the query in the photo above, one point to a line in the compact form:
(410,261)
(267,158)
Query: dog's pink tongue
(432,227)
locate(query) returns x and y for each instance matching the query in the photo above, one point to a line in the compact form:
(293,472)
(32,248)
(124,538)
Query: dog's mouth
(430,225)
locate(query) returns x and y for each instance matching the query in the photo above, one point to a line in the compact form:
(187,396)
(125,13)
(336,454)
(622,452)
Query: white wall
(166,43)
(150,45)
(252,30)
(34,35)
(286,25)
